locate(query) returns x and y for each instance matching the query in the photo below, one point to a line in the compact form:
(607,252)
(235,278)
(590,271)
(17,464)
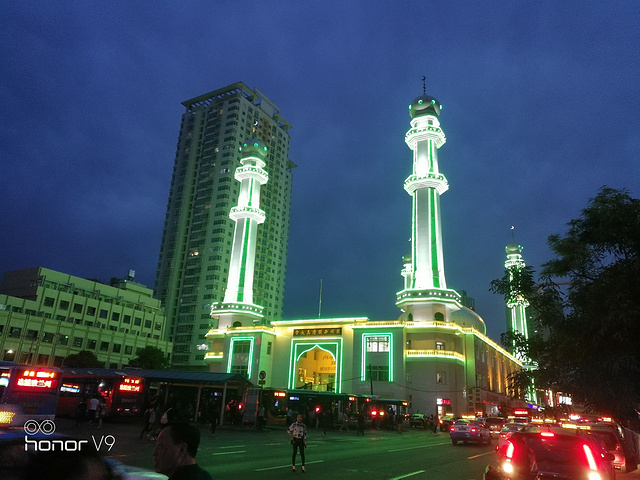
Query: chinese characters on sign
(311,332)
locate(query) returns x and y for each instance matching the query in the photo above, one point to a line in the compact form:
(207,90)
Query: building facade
(435,354)
(195,253)
(45,316)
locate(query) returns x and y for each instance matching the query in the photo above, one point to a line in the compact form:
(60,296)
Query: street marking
(479,455)
(284,466)
(232,446)
(230,453)
(408,475)
(418,446)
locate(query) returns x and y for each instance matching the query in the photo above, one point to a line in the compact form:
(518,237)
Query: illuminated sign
(70,388)
(37,379)
(310,332)
(131,385)
(521,412)
(279,394)
(443,401)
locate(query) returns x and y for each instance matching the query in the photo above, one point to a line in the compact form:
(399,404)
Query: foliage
(587,333)
(151,358)
(83,359)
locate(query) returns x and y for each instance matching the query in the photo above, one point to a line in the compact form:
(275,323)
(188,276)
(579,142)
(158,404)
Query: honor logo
(48,427)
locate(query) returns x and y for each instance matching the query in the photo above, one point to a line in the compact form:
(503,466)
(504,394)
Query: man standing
(92,409)
(175,451)
(298,436)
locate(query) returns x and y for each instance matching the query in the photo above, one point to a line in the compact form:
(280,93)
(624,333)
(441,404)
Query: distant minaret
(424,269)
(238,303)
(516,303)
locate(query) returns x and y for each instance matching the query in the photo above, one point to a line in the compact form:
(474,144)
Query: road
(248,454)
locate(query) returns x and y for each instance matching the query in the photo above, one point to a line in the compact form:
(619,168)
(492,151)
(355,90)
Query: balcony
(446,354)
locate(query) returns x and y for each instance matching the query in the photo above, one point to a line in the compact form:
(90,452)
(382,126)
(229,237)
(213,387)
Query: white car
(469,431)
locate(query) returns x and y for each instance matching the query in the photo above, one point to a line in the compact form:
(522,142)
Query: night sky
(541,109)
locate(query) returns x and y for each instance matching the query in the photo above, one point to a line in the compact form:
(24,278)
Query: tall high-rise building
(196,248)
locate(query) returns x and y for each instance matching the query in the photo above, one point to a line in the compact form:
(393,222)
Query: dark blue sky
(541,108)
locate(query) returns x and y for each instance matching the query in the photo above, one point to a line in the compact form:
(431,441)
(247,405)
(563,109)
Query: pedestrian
(148,420)
(175,452)
(262,417)
(215,416)
(345,422)
(92,409)
(360,430)
(298,436)
(400,422)
(81,411)
(100,411)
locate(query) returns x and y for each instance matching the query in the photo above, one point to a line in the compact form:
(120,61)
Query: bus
(27,393)
(278,402)
(123,395)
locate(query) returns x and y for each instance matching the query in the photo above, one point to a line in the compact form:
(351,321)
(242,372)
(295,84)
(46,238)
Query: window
(92,344)
(47,337)
(77,341)
(440,346)
(63,305)
(77,308)
(128,349)
(241,347)
(91,311)
(115,317)
(379,373)
(268,348)
(126,319)
(377,344)
(116,348)
(137,321)
(48,301)
(104,346)
(147,324)
(15,332)
(63,339)
(441,378)
(32,334)
(103,313)
(241,370)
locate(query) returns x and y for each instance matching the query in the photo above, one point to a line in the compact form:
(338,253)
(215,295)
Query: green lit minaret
(238,308)
(425,284)
(516,304)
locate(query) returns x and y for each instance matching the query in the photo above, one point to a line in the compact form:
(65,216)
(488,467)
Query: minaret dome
(424,105)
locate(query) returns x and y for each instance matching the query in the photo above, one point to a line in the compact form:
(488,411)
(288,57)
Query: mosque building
(436,354)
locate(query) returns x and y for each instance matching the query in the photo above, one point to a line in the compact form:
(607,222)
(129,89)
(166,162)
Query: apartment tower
(196,249)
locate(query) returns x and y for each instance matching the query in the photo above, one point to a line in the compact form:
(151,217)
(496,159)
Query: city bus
(27,393)
(123,395)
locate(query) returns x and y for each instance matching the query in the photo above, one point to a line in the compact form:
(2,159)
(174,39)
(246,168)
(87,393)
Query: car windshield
(609,439)
(494,421)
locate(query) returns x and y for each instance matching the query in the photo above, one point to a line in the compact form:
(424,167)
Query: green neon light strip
(317,342)
(243,260)
(433,211)
(251,185)
(363,364)
(249,360)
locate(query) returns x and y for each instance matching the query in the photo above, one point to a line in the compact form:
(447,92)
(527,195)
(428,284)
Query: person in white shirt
(93,408)
(298,436)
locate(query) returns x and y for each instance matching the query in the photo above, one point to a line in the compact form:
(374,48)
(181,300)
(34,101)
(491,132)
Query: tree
(592,327)
(83,359)
(151,358)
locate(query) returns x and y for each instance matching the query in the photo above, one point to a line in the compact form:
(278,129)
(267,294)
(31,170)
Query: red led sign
(131,385)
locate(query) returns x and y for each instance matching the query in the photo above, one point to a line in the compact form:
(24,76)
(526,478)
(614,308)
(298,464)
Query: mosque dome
(424,105)
(513,249)
(466,317)
(255,147)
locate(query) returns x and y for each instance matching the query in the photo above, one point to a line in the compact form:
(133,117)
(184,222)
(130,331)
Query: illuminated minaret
(516,304)
(238,307)
(425,293)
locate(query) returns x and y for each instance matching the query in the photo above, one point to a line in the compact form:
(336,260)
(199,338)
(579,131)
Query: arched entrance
(316,366)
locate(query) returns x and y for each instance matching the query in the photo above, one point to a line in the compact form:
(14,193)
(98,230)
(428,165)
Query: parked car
(552,454)
(469,431)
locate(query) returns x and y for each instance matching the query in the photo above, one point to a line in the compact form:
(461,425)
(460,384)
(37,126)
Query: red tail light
(474,430)
(451,429)
(590,459)
(547,434)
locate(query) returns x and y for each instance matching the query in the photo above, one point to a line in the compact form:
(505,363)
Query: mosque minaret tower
(425,295)
(238,307)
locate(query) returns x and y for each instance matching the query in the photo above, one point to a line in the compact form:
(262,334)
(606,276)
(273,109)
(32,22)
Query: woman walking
(298,435)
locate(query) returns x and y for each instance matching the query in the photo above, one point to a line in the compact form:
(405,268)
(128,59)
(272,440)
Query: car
(506,432)
(551,454)
(446,421)
(495,424)
(625,459)
(469,431)
(417,420)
